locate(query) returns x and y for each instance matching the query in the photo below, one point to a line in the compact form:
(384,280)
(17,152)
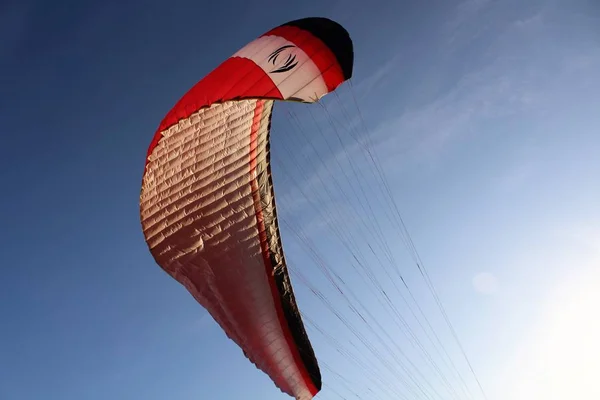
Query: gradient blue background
(486,115)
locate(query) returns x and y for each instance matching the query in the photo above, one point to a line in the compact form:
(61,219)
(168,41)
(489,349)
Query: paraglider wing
(207,203)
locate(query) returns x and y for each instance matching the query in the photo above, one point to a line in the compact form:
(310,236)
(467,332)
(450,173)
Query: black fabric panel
(334,36)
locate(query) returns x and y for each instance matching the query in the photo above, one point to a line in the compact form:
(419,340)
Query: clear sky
(484,115)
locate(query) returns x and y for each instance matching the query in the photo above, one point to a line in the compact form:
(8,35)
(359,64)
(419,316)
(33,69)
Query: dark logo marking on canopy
(289,63)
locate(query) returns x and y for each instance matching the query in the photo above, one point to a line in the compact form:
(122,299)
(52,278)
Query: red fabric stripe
(320,54)
(241,78)
(235,78)
(260,220)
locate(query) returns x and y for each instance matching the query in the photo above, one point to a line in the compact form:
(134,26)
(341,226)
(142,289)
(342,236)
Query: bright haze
(484,116)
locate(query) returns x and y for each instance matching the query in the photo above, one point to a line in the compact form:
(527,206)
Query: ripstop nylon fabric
(198,212)
(207,204)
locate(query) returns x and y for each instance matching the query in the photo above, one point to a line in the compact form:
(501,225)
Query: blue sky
(482,113)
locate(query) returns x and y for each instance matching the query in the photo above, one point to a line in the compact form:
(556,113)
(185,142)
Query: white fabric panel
(303,81)
(199,219)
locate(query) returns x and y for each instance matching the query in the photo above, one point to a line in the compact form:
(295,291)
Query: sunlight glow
(562,360)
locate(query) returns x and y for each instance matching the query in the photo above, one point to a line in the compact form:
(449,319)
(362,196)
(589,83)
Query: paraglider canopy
(207,203)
